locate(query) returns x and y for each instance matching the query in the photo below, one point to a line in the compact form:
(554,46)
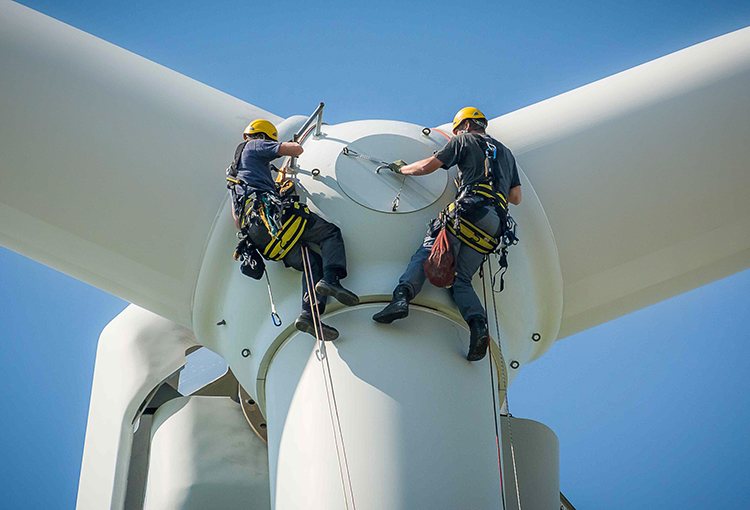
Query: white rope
(505,399)
(494,390)
(328,381)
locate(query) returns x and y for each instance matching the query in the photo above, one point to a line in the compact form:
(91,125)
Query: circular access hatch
(358,178)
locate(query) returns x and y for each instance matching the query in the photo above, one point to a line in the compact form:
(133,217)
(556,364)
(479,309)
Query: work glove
(397,165)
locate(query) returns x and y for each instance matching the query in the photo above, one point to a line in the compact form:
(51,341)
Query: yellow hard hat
(262,126)
(467,113)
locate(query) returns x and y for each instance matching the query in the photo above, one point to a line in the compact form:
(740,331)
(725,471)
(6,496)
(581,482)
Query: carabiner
(396,203)
(276,319)
(274,316)
(491,147)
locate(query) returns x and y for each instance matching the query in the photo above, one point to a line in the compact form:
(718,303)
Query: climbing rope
(501,363)
(494,389)
(505,378)
(333,408)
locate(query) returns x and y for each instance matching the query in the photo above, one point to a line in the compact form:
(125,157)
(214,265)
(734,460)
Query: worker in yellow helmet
(487,181)
(263,216)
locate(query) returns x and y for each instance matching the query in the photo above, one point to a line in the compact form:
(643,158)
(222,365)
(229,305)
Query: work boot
(329,285)
(398,308)
(478,341)
(305,324)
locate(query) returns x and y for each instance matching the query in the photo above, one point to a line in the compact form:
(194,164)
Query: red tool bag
(440,266)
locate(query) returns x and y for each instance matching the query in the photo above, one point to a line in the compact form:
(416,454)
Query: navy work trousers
(332,258)
(468,261)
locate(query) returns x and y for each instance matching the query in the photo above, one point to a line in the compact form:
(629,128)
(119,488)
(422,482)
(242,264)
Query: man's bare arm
(514,195)
(235,218)
(290,149)
(422,167)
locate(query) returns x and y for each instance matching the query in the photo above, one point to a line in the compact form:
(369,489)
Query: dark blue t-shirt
(254,166)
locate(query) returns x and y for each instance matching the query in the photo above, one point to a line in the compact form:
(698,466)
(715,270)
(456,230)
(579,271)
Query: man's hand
(422,167)
(397,165)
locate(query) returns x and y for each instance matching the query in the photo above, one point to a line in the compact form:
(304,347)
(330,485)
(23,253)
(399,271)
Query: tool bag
(251,263)
(440,266)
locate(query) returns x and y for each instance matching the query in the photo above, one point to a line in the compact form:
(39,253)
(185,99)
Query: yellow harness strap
(486,191)
(289,234)
(471,235)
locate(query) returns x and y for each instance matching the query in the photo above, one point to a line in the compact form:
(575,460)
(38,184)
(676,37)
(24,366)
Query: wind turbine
(151,226)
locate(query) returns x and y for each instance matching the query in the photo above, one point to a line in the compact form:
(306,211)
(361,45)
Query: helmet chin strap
(463,127)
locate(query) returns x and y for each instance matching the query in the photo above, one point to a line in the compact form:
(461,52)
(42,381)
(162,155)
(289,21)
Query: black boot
(329,285)
(479,340)
(398,308)
(305,324)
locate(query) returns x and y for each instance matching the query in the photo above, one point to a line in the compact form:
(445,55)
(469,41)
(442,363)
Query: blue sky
(650,409)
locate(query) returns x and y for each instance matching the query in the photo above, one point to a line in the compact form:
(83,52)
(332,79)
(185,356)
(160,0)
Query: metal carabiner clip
(274,316)
(491,147)
(276,319)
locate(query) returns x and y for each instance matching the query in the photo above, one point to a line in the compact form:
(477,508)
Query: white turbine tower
(614,175)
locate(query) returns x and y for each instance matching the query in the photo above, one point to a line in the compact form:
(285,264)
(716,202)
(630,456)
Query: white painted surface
(644,177)
(112,165)
(379,246)
(205,455)
(112,172)
(137,351)
(643,174)
(359,180)
(416,418)
(537,453)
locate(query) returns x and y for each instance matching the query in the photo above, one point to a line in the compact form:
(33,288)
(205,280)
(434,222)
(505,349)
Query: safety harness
(284,219)
(295,220)
(282,215)
(468,233)
(473,196)
(481,194)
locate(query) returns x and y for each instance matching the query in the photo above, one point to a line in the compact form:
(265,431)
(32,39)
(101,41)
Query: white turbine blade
(112,165)
(645,178)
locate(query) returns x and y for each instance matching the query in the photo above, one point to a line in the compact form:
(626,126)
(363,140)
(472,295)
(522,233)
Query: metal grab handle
(298,136)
